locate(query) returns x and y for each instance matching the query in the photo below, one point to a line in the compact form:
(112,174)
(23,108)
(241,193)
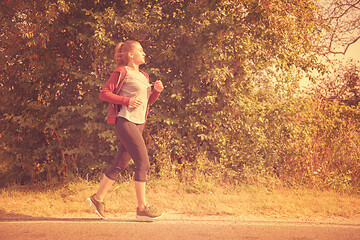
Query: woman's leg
(130,135)
(105,185)
(140,194)
(122,159)
(120,163)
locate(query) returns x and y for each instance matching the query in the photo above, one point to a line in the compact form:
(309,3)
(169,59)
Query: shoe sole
(147,219)
(88,200)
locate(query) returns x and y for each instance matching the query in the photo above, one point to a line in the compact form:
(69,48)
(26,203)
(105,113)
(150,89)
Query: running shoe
(99,207)
(148,214)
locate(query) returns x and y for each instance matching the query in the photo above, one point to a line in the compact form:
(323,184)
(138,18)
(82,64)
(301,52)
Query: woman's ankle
(142,207)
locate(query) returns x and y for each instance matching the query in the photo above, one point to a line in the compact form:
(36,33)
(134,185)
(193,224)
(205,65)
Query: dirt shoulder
(173,217)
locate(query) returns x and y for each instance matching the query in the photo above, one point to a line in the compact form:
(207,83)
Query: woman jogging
(129,94)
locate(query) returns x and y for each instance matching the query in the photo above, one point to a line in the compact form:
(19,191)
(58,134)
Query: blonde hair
(122,49)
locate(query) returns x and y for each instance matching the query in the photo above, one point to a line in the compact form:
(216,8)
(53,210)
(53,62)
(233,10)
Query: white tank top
(136,85)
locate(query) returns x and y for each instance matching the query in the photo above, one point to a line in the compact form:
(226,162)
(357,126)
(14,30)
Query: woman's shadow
(15,217)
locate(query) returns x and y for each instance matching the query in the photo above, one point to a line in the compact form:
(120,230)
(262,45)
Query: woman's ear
(130,55)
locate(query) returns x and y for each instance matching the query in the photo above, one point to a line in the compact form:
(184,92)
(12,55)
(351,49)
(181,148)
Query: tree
(222,108)
(219,109)
(341,84)
(343,18)
(49,84)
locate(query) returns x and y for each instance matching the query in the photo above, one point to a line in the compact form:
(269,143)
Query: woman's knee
(141,173)
(112,175)
(113,172)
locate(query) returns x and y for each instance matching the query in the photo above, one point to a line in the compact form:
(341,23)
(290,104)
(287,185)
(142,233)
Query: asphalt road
(173,226)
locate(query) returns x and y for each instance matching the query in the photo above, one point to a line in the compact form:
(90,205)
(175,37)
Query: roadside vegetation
(197,199)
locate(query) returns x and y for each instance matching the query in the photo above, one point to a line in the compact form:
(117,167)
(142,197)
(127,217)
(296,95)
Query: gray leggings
(131,146)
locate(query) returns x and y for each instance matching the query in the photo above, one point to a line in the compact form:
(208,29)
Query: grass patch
(196,198)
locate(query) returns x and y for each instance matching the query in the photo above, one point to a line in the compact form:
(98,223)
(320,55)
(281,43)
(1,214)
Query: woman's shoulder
(121,69)
(146,75)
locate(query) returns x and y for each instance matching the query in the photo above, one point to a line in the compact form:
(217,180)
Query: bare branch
(346,48)
(343,17)
(339,7)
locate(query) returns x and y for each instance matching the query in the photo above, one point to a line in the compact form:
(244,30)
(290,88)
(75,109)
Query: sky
(353,52)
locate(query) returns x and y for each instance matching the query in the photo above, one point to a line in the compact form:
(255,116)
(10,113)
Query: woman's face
(138,55)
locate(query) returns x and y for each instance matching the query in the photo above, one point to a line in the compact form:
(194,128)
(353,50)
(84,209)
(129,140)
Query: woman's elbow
(102,95)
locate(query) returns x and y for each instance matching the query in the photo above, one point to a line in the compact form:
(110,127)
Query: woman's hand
(134,102)
(158,86)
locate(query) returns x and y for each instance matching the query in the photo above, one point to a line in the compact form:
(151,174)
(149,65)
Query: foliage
(229,110)
(340,83)
(50,81)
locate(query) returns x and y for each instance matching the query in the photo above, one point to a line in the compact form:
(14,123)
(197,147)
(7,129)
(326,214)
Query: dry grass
(200,199)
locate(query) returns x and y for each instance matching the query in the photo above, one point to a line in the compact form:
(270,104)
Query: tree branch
(347,10)
(347,47)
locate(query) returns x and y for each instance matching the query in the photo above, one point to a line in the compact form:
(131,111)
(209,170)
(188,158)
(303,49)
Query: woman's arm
(158,88)
(154,96)
(107,92)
